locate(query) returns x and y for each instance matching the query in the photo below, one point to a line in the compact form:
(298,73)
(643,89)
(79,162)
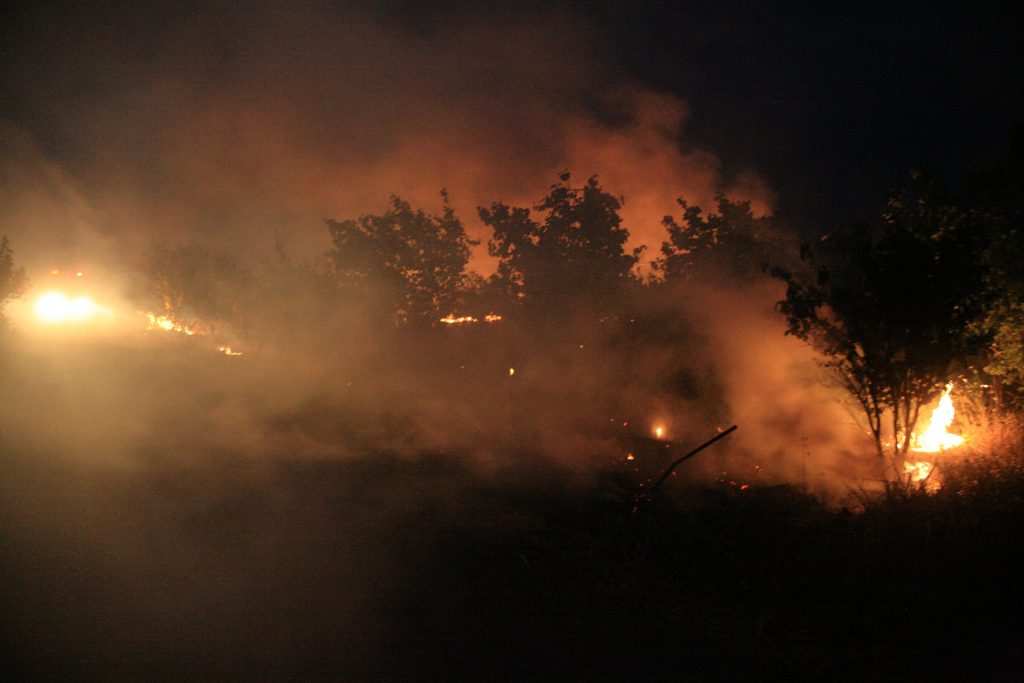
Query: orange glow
(659,432)
(935,437)
(452,319)
(165,324)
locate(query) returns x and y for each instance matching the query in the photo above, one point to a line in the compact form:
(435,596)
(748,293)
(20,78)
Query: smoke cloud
(242,126)
(153,464)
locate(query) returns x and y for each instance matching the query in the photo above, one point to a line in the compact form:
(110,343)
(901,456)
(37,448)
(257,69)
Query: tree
(13,282)
(200,287)
(574,254)
(994,193)
(889,306)
(731,242)
(411,263)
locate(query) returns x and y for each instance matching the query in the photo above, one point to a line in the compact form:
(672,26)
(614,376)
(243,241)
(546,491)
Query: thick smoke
(151,463)
(239,127)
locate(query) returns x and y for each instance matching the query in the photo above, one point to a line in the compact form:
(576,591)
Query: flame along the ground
(452,319)
(164,323)
(934,439)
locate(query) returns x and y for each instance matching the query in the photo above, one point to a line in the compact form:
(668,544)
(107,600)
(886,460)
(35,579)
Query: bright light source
(55,307)
(659,432)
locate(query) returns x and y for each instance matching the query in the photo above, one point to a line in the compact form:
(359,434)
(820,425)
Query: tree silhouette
(200,287)
(574,256)
(889,306)
(994,192)
(13,282)
(731,242)
(411,263)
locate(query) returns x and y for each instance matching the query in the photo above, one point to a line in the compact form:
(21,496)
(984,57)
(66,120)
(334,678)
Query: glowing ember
(452,319)
(54,307)
(659,432)
(226,350)
(165,324)
(511,372)
(935,437)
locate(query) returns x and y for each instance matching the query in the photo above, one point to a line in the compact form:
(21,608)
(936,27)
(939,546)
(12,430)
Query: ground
(172,553)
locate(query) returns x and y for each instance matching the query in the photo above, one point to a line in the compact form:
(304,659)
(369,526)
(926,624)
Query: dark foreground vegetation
(378,569)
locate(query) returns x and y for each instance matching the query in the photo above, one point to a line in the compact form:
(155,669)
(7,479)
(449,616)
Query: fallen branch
(671,468)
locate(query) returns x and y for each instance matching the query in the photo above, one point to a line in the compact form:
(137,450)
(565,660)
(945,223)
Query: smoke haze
(238,126)
(165,499)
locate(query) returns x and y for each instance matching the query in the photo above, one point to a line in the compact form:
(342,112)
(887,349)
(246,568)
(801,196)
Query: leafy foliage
(731,242)
(994,193)
(576,252)
(889,306)
(412,262)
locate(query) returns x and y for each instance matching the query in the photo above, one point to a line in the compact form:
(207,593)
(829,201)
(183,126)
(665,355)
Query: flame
(55,307)
(166,324)
(452,319)
(935,437)
(919,470)
(227,351)
(659,432)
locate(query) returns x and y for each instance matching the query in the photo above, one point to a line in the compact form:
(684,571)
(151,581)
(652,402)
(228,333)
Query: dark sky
(831,104)
(140,121)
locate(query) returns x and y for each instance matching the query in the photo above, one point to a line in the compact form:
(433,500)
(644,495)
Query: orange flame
(936,438)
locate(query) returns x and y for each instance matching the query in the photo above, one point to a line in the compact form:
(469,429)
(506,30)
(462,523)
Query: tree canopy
(890,305)
(732,242)
(575,252)
(199,286)
(410,262)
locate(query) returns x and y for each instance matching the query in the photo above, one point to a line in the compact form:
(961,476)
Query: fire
(165,324)
(55,307)
(659,432)
(919,470)
(935,437)
(227,351)
(452,319)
